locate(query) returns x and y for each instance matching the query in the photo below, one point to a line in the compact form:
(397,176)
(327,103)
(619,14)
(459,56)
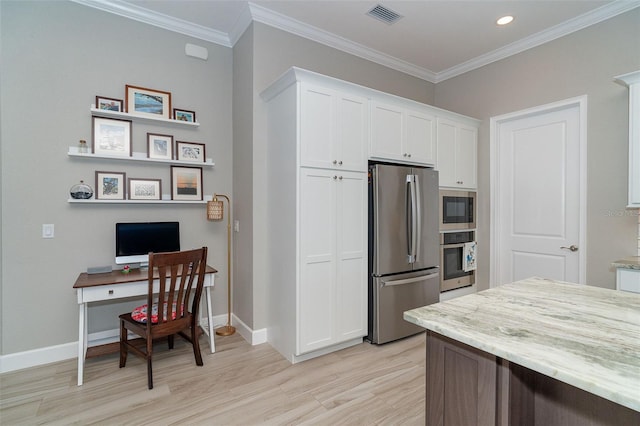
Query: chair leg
(170,338)
(149,353)
(196,344)
(123,344)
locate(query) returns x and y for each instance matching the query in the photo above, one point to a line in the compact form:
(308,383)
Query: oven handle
(410,280)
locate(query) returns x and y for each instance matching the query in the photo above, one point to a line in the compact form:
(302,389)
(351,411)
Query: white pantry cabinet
(402,134)
(316,215)
(457,154)
(632,80)
(333,129)
(333,257)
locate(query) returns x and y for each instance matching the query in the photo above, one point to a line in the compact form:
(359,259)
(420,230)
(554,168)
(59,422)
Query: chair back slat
(177,273)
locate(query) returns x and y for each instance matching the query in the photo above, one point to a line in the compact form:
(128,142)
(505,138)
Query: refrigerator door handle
(417,223)
(410,280)
(413,210)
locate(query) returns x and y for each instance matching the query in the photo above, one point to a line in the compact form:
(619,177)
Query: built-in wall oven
(452,260)
(457,210)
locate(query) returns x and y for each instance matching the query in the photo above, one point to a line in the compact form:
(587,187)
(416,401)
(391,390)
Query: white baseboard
(65,351)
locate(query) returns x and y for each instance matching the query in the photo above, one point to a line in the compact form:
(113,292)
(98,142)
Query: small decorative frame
(186,183)
(148,102)
(111,136)
(108,104)
(159,146)
(190,151)
(184,115)
(145,189)
(110,185)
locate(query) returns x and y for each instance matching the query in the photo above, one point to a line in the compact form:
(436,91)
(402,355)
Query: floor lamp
(215,211)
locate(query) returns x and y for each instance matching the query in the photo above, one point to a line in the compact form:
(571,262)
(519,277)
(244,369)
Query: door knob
(572,247)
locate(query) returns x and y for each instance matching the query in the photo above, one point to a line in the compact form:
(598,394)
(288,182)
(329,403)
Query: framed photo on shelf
(145,189)
(184,115)
(108,104)
(111,136)
(148,102)
(190,151)
(159,146)
(186,183)
(110,185)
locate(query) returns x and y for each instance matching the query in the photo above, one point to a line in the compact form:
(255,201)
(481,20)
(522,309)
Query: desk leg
(212,332)
(82,340)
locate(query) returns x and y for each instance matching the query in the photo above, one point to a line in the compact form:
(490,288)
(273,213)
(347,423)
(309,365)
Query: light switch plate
(48,230)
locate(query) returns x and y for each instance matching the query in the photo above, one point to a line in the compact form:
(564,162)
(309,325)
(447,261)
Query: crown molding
(578,23)
(285,23)
(160,20)
(253,12)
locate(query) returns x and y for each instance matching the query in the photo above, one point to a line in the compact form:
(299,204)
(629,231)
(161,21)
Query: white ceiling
(434,40)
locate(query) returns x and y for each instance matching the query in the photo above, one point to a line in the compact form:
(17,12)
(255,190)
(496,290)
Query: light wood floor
(238,385)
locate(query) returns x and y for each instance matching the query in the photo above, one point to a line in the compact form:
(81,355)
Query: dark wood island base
(466,386)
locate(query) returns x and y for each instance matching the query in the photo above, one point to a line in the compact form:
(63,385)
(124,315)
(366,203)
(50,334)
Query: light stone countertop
(632,262)
(588,337)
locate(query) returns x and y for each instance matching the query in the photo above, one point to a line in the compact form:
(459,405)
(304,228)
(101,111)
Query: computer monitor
(134,241)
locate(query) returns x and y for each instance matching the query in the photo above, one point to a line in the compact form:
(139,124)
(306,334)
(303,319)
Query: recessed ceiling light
(505,20)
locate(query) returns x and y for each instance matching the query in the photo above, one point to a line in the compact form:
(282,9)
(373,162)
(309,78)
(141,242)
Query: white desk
(116,285)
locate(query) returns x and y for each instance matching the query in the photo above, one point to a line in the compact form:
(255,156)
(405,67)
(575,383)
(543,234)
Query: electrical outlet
(236,225)
(48,230)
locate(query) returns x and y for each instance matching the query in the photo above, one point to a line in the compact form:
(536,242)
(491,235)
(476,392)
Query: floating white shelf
(117,114)
(139,156)
(163,201)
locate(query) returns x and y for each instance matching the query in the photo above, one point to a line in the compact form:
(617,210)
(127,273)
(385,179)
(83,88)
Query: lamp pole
(228,329)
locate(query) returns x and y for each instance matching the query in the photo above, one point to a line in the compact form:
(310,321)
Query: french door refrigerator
(403,247)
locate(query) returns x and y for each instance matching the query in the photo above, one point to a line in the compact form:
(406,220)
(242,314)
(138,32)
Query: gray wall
(56,57)
(582,63)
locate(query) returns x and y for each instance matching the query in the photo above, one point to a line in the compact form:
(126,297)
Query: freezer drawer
(393,295)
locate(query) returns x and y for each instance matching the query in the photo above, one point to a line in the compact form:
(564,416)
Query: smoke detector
(384,14)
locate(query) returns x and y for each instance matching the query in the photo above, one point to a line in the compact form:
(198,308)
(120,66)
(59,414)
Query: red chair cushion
(140,314)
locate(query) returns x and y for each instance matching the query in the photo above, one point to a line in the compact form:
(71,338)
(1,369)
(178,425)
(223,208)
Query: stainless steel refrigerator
(403,247)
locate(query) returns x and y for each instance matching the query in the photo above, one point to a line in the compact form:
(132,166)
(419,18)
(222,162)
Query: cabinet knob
(335,177)
(409,155)
(404,155)
(335,161)
(340,162)
(340,178)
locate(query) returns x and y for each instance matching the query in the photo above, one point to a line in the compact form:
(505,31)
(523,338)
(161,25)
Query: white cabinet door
(386,131)
(352,124)
(333,129)
(351,240)
(402,134)
(634,145)
(332,291)
(316,297)
(467,156)
(420,140)
(457,154)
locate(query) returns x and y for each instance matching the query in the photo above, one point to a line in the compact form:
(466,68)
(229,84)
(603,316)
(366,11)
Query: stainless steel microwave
(457,210)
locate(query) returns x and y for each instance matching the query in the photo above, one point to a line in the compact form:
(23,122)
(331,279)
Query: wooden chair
(177,272)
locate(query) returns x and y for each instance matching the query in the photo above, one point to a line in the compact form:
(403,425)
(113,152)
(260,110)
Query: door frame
(496,182)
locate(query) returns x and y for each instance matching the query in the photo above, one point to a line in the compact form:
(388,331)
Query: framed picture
(184,115)
(190,151)
(145,189)
(186,183)
(110,185)
(109,104)
(159,146)
(111,136)
(148,102)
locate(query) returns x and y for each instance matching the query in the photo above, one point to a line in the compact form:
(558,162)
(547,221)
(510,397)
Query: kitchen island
(534,352)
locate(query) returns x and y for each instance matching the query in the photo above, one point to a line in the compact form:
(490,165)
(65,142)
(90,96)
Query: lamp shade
(215,209)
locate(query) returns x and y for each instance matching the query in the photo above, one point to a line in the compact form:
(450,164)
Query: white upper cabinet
(333,129)
(402,134)
(457,154)
(632,80)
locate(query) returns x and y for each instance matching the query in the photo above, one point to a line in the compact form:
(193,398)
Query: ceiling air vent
(384,14)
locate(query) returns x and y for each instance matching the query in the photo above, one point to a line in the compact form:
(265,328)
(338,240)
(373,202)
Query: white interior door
(538,186)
